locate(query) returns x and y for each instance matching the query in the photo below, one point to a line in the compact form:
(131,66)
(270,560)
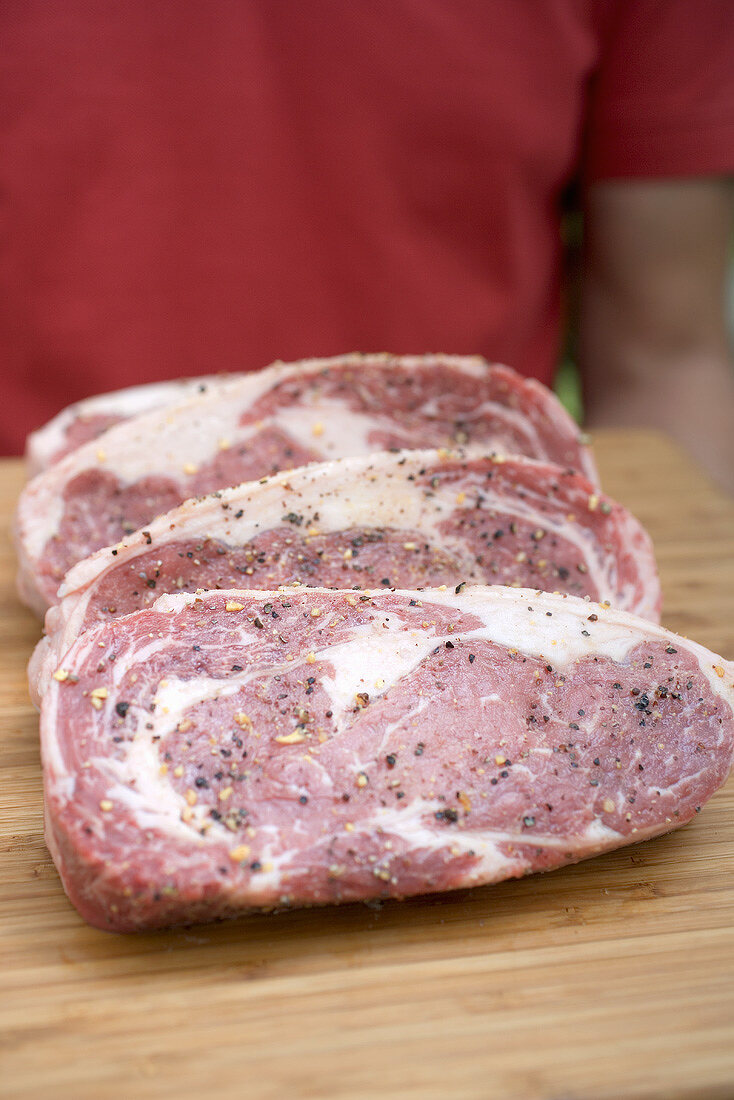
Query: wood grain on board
(612,979)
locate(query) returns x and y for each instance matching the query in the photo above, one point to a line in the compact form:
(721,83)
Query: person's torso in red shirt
(192,187)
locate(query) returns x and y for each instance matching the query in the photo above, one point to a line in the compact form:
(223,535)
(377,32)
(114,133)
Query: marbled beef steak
(234,750)
(414,519)
(277,419)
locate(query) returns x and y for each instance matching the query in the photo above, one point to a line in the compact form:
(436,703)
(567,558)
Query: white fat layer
(150,796)
(54,764)
(410,826)
(508,621)
(135,782)
(381,650)
(39,520)
(47,441)
(184,439)
(563,647)
(330,427)
(174,697)
(63,625)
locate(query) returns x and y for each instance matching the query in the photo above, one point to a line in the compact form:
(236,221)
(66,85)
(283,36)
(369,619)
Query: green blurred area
(567,385)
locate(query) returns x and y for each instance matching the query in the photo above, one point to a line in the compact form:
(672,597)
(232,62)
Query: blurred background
(568,383)
(194,186)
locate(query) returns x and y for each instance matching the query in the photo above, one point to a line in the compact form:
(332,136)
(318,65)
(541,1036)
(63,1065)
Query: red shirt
(193,186)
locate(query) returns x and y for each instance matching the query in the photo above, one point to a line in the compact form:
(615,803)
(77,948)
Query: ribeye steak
(243,749)
(413,519)
(277,419)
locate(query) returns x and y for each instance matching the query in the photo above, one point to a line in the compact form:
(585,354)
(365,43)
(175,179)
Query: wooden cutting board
(604,981)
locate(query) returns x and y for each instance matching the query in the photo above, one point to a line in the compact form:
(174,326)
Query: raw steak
(414,519)
(252,749)
(86,420)
(277,419)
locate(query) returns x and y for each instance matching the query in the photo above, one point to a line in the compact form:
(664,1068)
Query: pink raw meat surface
(280,418)
(237,750)
(414,519)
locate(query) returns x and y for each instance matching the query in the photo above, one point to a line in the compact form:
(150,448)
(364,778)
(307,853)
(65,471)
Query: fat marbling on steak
(413,519)
(242,749)
(87,419)
(276,419)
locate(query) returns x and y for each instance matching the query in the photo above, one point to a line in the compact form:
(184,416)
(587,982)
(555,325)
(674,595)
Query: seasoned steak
(242,749)
(278,419)
(414,519)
